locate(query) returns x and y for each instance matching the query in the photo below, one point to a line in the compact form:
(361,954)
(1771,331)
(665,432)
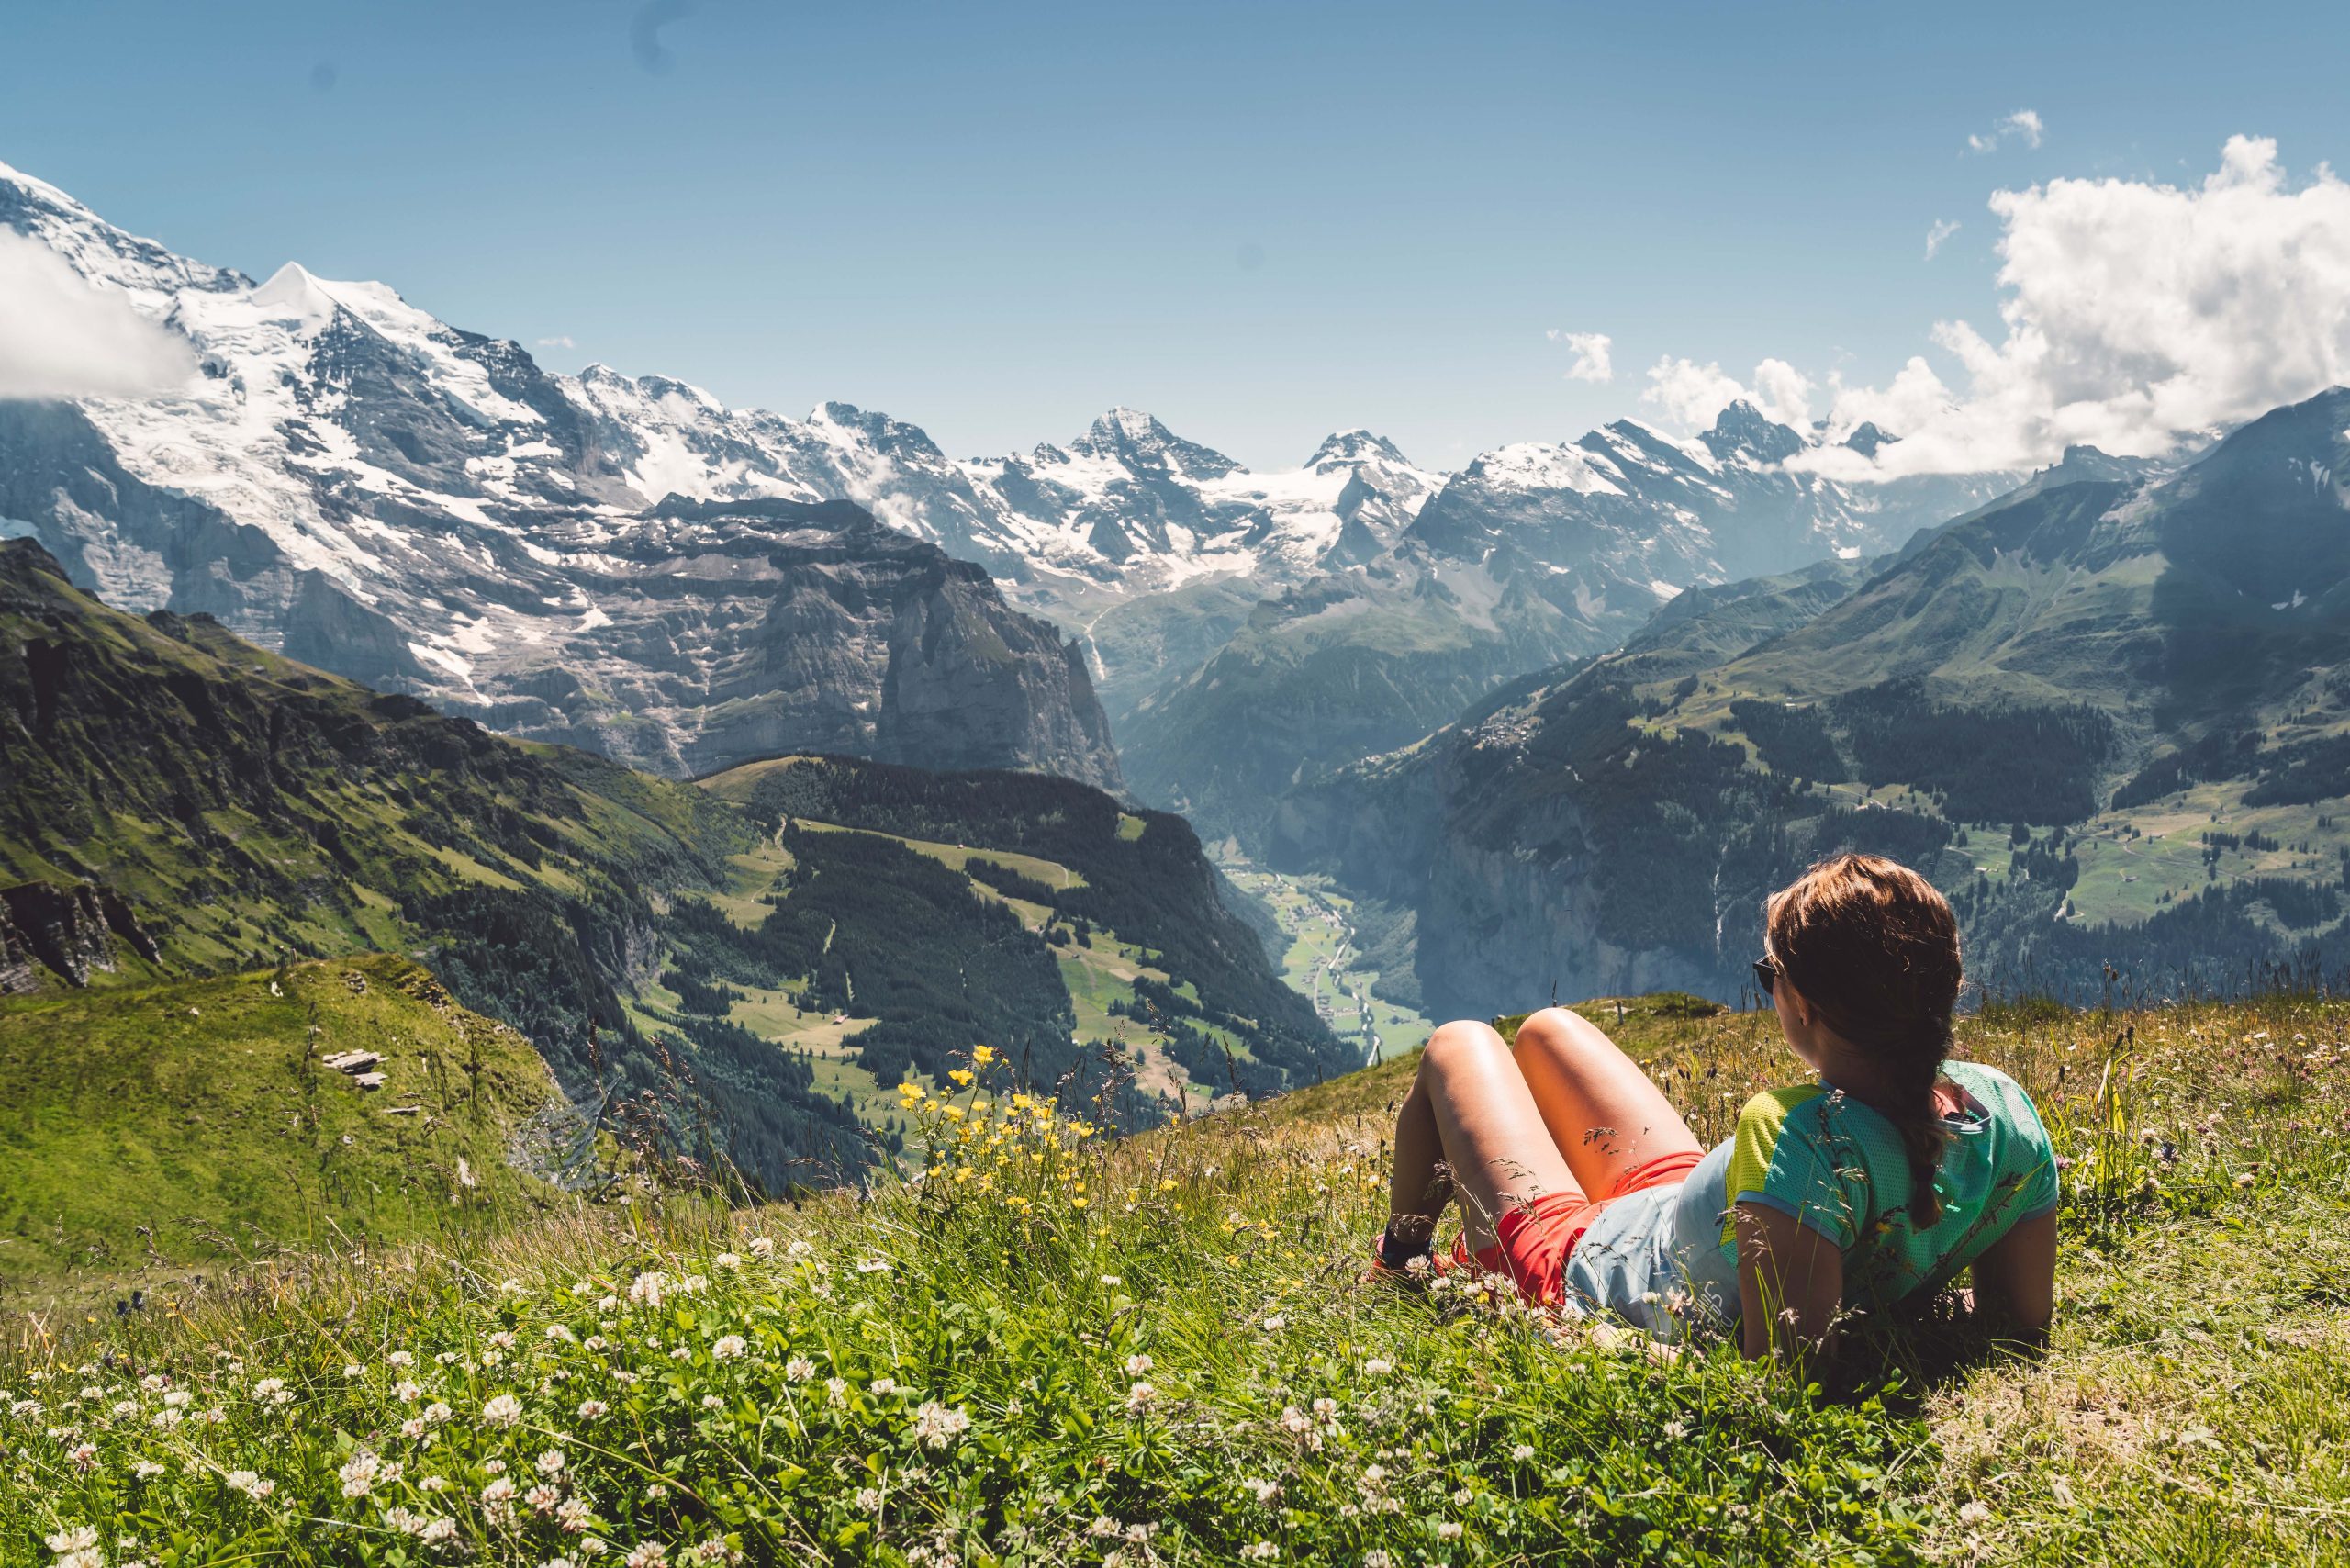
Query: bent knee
(1459,1042)
(1552,1027)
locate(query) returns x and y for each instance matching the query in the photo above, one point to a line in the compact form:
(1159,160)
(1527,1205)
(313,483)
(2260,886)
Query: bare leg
(1471,1128)
(1603,1112)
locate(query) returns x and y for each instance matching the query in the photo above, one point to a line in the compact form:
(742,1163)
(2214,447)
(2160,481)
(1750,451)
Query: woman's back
(1669,1259)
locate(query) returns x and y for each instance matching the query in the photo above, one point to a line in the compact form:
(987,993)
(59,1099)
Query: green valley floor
(1055,1348)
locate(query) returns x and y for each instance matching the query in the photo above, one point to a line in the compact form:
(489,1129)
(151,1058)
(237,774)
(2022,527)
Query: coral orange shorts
(1537,1238)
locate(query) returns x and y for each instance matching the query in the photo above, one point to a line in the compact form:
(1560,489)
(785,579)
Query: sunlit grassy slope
(151,1130)
(1053,1348)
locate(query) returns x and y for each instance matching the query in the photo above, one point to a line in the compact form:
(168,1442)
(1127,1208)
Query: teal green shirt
(1667,1259)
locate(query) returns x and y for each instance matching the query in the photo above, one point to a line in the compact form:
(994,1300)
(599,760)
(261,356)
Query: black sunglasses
(1766,974)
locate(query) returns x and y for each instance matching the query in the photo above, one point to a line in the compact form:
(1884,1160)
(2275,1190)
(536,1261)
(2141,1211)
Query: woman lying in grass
(1878,1180)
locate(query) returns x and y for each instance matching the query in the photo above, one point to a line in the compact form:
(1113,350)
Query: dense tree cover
(1999,763)
(1794,741)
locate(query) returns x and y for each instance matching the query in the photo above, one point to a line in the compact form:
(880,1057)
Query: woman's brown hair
(1873,947)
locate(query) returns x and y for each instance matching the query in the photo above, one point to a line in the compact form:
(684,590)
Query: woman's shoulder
(2002,1096)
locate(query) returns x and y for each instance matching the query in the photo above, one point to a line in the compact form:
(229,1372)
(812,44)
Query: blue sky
(1261,221)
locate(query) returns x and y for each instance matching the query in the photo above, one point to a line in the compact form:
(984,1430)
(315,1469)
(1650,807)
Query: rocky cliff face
(47,930)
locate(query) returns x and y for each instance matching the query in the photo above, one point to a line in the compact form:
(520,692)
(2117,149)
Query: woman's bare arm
(2015,1281)
(1790,1283)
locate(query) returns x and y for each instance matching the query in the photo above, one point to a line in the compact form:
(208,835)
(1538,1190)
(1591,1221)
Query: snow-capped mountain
(425,509)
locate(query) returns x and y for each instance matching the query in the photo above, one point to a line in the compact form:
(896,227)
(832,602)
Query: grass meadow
(1057,1347)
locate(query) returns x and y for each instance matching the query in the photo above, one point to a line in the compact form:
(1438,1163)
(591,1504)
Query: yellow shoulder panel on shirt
(1754,1142)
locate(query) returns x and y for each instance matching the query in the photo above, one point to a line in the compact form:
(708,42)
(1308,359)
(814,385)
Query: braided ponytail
(1873,947)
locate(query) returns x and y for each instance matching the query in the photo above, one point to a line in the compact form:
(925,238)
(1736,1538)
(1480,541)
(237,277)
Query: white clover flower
(1136,1365)
(1522,1452)
(400,1358)
(589,1409)
(711,1401)
(413,1428)
(647,1289)
(798,1249)
(1260,1552)
(1274,1324)
(883,1386)
(1449,1529)
(939,1426)
(1113,1281)
(498,1491)
(437,1531)
(800,1369)
(359,1474)
(1294,1421)
(1376,1557)
(1377,1368)
(873,1265)
(650,1555)
(1264,1491)
(147,1469)
(727,1261)
(251,1485)
(503,1410)
(352,1369)
(1325,1408)
(836,1390)
(562,1332)
(572,1515)
(869,1500)
(1140,1396)
(762,1247)
(551,1462)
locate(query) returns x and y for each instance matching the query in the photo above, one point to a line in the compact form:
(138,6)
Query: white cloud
(557,342)
(1942,229)
(2137,315)
(61,338)
(1783,393)
(1591,350)
(1691,393)
(1694,395)
(2023,124)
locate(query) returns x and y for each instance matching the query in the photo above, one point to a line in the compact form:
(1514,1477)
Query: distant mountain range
(2109,712)
(593,558)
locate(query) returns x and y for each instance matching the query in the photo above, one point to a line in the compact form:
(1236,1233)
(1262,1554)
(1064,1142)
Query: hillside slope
(177,802)
(2108,715)
(1058,1348)
(198,1124)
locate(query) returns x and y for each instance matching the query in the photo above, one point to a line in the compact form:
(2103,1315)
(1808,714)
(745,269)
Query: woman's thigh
(1606,1115)
(1501,1155)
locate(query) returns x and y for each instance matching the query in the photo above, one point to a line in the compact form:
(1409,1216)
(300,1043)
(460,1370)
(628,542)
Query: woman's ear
(1797,1008)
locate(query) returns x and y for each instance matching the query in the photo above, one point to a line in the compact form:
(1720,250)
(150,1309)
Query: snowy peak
(1348,447)
(1743,430)
(1130,436)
